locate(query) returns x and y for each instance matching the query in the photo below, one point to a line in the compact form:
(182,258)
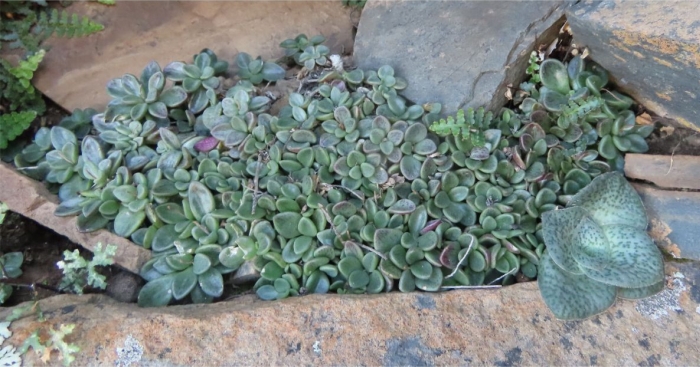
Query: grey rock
(674,218)
(124,287)
(458,53)
(651,49)
(245,274)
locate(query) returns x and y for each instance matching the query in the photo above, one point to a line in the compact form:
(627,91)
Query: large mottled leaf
(635,261)
(610,199)
(557,229)
(571,296)
(590,248)
(639,293)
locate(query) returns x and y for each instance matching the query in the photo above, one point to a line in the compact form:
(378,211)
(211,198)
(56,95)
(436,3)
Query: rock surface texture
(674,218)
(458,53)
(75,72)
(650,48)
(504,327)
(31,199)
(672,172)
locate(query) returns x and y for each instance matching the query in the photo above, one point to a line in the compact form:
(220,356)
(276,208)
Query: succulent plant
(257,70)
(79,122)
(144,98)
(349,188)
(197,78)
(598,250)
(295,47)
(314,55)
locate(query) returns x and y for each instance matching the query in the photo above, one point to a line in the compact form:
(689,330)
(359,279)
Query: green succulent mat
(350,188)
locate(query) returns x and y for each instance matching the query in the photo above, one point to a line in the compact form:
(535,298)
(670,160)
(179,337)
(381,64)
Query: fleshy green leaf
(557,227)
(635,261)
(610,199)
(570,296)
(156,293)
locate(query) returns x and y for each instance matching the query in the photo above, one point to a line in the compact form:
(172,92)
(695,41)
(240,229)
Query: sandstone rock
(458,53)
(504,327)
(124,287)
(675,172)
(674,218)
(75,72)
(31,199)
(651,49)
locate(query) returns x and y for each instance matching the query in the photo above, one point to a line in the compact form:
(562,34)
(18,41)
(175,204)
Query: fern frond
(13,124)
(67,25)
(24,72)
(469,126)
(577,110)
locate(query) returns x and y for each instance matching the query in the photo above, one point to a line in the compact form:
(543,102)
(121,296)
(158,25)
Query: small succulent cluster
(348,189)
(307,52)
(598,250)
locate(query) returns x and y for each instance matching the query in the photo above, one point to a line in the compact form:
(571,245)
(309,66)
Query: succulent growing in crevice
(348,188)
(598,250)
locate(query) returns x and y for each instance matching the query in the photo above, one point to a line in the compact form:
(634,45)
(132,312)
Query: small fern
(577,110)
(469,127)
(67,25)
(13,124)
(16,90)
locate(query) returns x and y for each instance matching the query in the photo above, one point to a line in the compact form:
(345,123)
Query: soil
(42,249)
(674,141)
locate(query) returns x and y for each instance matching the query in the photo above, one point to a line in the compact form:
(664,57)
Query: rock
(650,48)
(674,218)
(458,53)
(508,326)
(124,287)
(245,274)
(75,72)
(675,172)
(31,199)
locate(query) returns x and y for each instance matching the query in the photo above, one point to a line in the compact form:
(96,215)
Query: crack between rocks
(473,88)
(527,30)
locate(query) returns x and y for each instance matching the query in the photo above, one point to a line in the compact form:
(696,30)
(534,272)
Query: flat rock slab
(673,172)
(31,199)
(458,53)
(674,218)
(75,72)
(505,327)
(651,49)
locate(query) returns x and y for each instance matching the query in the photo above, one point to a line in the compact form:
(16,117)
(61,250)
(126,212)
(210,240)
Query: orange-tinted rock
(31,199)
(504,327)
(75,72)
(673,172)
(651,48)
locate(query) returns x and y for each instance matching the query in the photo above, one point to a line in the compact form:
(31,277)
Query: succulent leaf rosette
(598,250)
